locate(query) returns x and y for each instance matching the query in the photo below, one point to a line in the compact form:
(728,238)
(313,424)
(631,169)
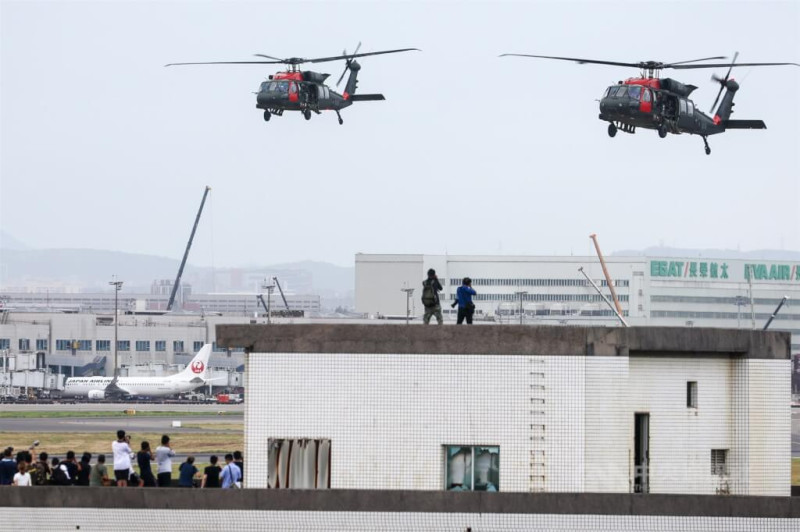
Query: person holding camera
(122,458)
(430,298)
(466,308)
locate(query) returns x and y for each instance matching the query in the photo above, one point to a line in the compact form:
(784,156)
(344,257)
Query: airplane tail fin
(199,364)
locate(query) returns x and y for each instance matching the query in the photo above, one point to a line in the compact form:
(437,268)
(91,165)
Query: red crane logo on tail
(198,366)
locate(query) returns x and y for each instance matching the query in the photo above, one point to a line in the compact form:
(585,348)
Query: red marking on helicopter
(198,366)
(345,95)
(717,120)
(653,83)
(293,76)
(646,104)
(293,96)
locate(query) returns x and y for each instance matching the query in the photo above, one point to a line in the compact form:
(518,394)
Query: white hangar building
(516,408)
(659,291)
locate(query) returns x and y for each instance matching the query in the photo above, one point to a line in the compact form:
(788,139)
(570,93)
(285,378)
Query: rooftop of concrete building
(505,340)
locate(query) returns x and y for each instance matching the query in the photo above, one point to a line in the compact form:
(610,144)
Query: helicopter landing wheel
(662,132)
(612,130)
(266,116)
(708,148)
(307,114)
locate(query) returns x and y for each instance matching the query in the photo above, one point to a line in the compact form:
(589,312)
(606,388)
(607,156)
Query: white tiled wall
(132,520)
(563,423)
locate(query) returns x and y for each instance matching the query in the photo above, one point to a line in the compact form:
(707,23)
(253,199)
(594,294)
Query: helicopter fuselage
(292,91)
(646,103)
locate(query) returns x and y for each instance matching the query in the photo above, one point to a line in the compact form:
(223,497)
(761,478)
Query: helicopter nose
(262,98)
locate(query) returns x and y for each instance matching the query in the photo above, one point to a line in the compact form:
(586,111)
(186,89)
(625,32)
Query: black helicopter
(305,91)
(663,104)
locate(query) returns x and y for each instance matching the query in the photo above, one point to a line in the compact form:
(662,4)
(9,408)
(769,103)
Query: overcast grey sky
(102,147)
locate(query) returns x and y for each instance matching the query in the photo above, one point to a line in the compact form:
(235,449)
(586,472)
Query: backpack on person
(60,476)
(429,298)
(39,474)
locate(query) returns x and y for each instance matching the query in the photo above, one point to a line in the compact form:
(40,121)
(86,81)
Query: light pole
(521,295)
(117,287)
(409,292)
(740,301)
(269,288)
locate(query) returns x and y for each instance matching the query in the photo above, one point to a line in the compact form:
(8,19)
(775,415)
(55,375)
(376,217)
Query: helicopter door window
(327,92)
(634,92)
(646,95)
(690,107)
(683,106)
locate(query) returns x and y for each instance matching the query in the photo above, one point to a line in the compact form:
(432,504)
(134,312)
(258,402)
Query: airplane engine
(97,394)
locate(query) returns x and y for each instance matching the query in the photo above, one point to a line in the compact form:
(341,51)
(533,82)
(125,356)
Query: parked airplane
(187,380)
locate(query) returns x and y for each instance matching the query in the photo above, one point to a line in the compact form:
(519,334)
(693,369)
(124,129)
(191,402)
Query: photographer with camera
(122,458)
(466,308)
(430,298)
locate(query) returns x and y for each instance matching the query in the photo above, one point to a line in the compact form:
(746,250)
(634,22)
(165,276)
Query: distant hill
(91,269)
(9,242)
(659,251)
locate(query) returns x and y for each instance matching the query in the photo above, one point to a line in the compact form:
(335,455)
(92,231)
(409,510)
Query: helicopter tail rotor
(347,63)
(723,82)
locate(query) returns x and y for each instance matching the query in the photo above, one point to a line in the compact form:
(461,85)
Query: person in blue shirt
(466,308)
(231,475)
(8,467)
(187,473)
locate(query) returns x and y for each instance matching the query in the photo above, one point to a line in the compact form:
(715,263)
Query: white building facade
(658,291)
(517,409)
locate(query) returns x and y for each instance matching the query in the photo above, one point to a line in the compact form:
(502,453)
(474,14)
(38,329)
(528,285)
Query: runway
(119,407)
(110,425)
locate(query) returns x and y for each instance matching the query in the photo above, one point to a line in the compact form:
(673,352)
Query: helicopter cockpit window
(622,90)
(608,92)
(634,92)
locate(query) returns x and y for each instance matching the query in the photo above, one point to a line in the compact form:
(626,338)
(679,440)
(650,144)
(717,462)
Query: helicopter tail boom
(745,124)
(366,97)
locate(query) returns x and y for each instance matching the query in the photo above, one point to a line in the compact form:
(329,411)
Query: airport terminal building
(658,291)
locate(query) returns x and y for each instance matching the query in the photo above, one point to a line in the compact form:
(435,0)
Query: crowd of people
(21,469)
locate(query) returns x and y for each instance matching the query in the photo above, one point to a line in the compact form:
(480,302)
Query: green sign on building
(719,270)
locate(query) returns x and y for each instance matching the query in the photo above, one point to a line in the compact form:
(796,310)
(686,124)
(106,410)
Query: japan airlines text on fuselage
(187,380)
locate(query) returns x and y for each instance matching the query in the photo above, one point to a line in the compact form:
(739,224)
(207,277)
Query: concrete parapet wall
(400,502)
(504,339)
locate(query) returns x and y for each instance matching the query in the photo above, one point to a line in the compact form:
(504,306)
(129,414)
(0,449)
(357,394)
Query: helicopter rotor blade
(722,82)
(268,57)
(353,56)
(574,60)
(228,63)
(347,63)
(668,65)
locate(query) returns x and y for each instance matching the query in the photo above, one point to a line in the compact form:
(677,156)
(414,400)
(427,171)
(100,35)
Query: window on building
(177,346)
(161,345)
(299,464)
(691,394)
(63,345)
(83,345)
(197,346)
(143,345)
(719,461)
(216,348)
(103,345)
(472,468)
(124,345)
(5,343)
(41,344)
(24,344)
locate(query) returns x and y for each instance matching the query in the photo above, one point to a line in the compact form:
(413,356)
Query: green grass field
(58,443)
(795,471)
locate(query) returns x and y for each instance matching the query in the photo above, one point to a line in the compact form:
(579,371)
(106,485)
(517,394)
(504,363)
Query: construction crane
(186,253)
(608,277)
(288,310)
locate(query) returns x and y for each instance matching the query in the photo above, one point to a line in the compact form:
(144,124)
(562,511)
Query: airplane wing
(114,389)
